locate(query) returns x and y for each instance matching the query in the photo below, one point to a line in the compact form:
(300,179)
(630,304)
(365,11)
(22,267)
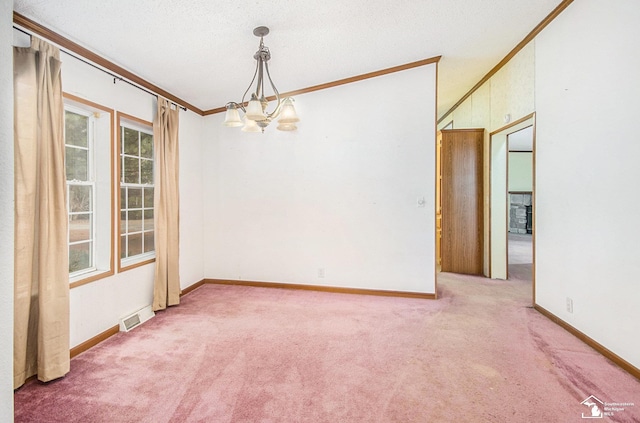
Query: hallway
(520,256)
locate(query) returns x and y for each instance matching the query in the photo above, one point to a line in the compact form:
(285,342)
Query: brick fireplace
(520,212)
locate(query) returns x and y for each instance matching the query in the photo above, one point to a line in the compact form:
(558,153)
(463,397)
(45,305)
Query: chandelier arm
(234,104)
(276,111)
(260,84)
(249,87)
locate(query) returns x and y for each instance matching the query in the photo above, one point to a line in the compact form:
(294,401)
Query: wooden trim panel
(320,288)
(67,44)
(87,102)
(514,123)
(192,288)
(137,120)
(122,268)
(92,278)
(89,343)
(437,193)
(535,214)
(621,362)
(542,25)
(343,81)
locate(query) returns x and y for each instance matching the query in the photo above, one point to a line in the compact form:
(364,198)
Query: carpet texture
(242,354)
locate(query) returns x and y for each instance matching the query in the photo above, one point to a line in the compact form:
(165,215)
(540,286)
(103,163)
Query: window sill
(88,277)
(137,261)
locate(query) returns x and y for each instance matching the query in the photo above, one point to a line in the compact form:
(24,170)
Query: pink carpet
(242,354)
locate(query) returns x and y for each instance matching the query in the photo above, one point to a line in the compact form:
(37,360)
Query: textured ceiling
(202,50)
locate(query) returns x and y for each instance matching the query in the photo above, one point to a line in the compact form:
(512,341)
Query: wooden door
(439,201)
(462,201)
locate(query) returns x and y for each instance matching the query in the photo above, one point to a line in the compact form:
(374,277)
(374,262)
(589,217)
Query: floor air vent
(136,319)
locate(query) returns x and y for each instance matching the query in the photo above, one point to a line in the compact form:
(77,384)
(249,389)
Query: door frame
(498,165)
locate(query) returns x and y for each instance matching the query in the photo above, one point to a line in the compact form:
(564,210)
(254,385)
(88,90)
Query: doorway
(520,204)
(512,248)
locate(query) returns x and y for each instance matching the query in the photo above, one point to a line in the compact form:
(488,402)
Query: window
(136,192)
(87,134)
(80,190)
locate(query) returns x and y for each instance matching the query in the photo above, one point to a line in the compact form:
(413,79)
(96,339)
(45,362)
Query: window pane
(79,256)
(76,164)
(135,245)
(135,221)
(75,129)
(148,242)
(135,198)
(146,145)
(123,222)
(146,171)
(123,198)
(148,220)
(130,144)
(148,198)
(131,171)
(80,198)
(80,227)
(123,246)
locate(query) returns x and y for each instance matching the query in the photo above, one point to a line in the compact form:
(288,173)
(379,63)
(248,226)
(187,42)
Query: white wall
(191,199)
(499,206)
(520,171)
(6,211)
(340,194)
(99,305)
(587,175)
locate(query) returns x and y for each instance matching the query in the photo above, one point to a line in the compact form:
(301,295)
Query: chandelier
(256,116)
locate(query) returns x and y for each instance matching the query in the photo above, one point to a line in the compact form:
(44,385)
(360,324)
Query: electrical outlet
(321,272)
(569,305)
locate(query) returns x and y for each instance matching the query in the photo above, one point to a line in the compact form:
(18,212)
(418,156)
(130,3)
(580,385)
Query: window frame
(140,125)
(102,248)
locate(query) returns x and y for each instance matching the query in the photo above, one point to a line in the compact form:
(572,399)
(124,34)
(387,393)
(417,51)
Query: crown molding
(70,46)
(542,25)
(344,81)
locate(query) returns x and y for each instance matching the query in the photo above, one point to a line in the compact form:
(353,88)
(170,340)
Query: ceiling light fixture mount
(256,117)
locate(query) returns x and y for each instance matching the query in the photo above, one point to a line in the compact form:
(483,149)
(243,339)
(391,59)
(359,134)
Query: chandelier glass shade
(256,116)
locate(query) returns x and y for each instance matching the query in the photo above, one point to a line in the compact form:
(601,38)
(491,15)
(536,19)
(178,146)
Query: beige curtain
(41,293)
(166,290)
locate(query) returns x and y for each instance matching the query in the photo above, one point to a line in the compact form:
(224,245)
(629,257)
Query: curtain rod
(116,77)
